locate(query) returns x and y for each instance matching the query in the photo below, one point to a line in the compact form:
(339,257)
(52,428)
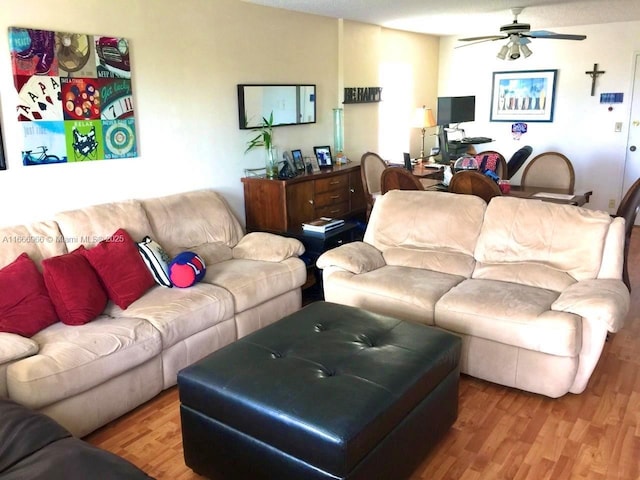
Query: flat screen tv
(456,109)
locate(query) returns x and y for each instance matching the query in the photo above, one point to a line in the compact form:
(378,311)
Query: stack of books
(322,225)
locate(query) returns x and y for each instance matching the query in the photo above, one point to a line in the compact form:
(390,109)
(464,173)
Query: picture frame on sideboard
(323,155)
(298,161)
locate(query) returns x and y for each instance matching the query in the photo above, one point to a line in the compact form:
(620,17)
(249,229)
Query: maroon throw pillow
(25,306)
(74,287)
(120,267)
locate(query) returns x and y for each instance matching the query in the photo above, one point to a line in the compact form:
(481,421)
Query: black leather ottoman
(329,392)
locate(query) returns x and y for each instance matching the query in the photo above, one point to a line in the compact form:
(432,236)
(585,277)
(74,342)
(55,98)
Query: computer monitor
(456,110)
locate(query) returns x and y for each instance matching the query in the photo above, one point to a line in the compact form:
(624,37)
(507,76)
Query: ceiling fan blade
(483,39)
(554,36)
(480,41)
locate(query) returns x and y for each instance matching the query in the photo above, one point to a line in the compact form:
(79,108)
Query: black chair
(517,160)
(628,209)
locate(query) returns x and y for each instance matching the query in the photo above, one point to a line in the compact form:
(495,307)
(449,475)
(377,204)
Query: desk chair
(398,178)
(474,183)
(628,209)
(371,167)
(549,170)
(517,160)
(494,161)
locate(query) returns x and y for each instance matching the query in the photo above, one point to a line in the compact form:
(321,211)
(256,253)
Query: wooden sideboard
(281,205)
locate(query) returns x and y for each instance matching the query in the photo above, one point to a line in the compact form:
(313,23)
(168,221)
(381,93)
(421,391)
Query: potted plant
(265,139)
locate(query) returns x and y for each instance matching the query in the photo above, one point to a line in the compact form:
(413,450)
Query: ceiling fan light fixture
(502,54)
(526,51)
(514,52)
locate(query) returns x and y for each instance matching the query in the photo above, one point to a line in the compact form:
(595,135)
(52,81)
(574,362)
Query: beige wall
(583,129)
(187,58)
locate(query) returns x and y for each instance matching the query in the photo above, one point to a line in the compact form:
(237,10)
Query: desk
(578,199)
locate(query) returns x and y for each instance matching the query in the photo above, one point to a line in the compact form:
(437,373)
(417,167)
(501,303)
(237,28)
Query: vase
(271,162)
(338,130)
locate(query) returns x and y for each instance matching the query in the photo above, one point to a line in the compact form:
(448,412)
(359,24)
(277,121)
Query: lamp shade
(424,118)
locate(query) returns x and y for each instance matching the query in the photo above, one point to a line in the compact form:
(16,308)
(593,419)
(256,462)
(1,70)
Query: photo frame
(523,96)
(298,160)
(323,155)
(312,163)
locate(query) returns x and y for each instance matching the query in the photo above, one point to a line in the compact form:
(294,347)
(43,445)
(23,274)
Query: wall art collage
(75,100)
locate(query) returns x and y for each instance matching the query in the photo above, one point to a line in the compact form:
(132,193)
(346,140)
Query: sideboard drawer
(331,198)
(337,182)
(333,211)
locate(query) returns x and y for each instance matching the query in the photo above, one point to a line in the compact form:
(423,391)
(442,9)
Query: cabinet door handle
(311,202)
(352,190)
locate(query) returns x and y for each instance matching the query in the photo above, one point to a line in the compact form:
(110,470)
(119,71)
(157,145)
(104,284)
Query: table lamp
(423,119)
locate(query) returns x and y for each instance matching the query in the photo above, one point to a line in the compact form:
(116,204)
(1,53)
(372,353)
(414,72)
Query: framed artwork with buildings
(523,96)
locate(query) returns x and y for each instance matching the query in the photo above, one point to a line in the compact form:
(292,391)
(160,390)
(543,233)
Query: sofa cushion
(186,220)
(178,313)
(13,347)
(559,240)
(510,313)
(268,247)
(120,268)
(73,359)
(407,293)
(25,306)
(38,240)
(74,287)
(252,282)
(90,225)
(445,242)
(156,259)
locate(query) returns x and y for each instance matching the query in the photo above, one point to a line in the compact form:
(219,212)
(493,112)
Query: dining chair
(549,170)
(474,183)
(398,178)
(628,209)
(371,167)
(517,160)
(494,161)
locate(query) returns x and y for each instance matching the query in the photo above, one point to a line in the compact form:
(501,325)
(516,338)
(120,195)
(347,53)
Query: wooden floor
(501,433)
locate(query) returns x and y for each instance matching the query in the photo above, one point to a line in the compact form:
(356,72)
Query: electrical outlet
(612,203)
(618,127)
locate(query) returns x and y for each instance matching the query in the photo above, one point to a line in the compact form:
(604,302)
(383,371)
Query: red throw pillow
(120,267)
(25,306)
(74,287)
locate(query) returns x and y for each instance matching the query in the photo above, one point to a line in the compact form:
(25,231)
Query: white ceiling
(466,17)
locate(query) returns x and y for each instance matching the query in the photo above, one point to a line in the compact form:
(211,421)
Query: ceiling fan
(518,35)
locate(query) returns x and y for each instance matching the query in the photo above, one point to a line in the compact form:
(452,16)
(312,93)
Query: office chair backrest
(628,209)
(474,183)
(549,170)
(398,178)
(517,160)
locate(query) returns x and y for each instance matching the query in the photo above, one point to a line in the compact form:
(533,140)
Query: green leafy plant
(265,137)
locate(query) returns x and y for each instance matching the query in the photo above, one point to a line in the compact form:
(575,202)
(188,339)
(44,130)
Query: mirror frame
(241,103)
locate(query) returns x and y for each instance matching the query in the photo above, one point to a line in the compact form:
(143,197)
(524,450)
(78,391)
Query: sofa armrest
(355,257)
(267,247)
(604,300)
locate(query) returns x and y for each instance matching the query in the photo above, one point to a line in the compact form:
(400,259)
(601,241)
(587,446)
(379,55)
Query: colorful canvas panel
(75,99)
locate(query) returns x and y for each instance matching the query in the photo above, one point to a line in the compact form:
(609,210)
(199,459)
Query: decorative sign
(75,101)
(517,129)
(362,94)
(611,98)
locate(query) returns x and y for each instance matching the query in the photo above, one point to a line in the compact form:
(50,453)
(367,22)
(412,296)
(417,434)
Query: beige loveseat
(85,376)
(531,287)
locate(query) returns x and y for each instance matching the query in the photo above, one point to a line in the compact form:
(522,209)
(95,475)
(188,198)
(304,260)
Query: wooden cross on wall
(595,73)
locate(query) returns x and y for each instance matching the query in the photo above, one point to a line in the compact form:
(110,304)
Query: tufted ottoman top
(325,384)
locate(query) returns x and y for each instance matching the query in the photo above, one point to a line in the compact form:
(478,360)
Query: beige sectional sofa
(532,287)
(85,376)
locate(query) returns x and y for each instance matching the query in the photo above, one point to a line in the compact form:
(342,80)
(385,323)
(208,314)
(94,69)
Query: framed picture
(298,161)
(323,155)
(311,164)
(3,164)
(525,96)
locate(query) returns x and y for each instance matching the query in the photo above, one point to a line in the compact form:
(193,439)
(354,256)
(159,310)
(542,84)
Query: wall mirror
(290,104)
